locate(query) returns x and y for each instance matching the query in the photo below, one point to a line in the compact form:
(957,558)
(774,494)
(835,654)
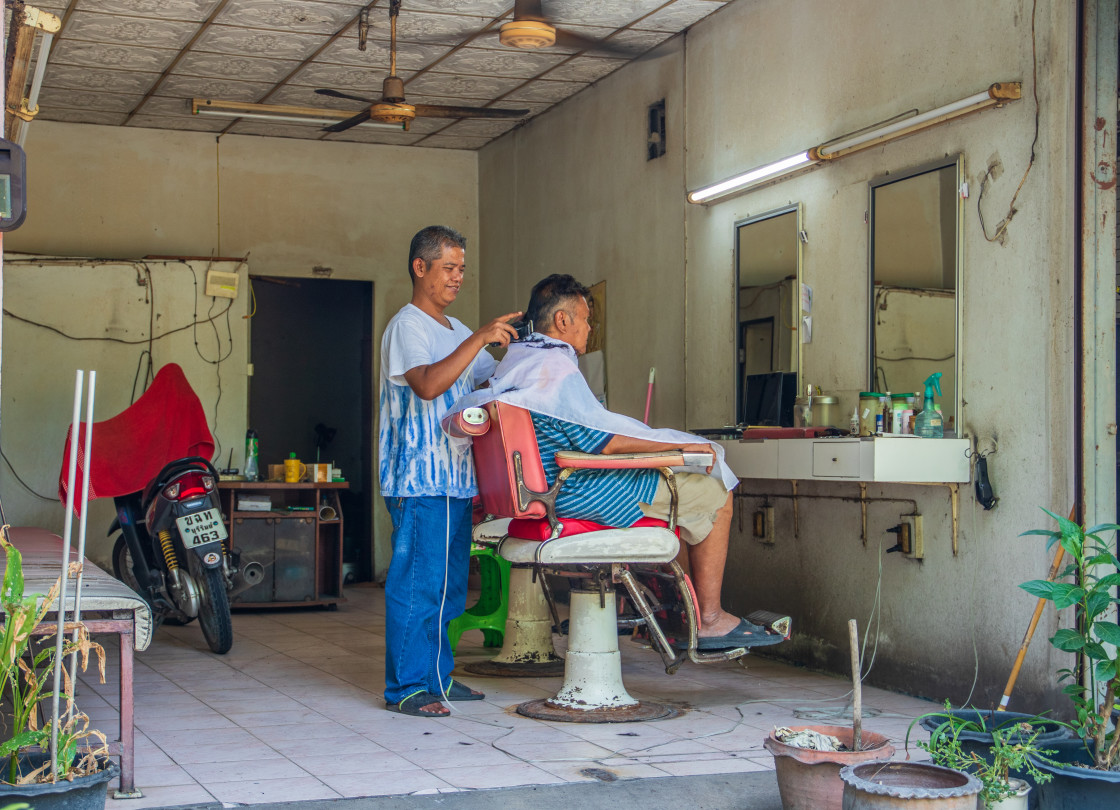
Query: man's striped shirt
(610,497)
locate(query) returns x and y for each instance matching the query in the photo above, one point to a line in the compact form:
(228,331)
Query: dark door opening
(311,347)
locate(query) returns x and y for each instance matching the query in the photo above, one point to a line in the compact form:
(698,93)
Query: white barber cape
(541,374)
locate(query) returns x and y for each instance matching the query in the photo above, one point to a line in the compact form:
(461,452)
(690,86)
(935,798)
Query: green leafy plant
(1093,568)
(1011,750)
(27,668)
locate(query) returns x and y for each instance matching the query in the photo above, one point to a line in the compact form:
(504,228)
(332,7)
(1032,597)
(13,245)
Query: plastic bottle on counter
(252,451)
(928,423)
(853,426)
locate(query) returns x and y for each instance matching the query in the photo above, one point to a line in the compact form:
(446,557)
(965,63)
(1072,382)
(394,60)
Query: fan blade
(568,39)
(432,111)
(337,94)
(352,121)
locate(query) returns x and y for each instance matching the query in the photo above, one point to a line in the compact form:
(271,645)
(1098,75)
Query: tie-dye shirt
(416,458)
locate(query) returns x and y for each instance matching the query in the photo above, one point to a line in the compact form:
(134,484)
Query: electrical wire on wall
(145,365)
(217,362)
(1001,228)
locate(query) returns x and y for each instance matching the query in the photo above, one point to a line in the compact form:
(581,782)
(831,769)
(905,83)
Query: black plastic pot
(84,793)
(1075,786)
(1051,730)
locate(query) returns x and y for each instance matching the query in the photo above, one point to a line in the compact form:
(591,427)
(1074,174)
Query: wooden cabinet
(298,540)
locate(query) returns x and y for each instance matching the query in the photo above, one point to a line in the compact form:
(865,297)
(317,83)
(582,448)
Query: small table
(108,606)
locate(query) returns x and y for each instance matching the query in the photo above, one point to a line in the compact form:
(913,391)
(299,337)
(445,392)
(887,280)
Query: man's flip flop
(744,635)
(414,704)
(460,691)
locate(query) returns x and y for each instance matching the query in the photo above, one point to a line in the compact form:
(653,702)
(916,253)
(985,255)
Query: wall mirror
(767,275)
(915,219)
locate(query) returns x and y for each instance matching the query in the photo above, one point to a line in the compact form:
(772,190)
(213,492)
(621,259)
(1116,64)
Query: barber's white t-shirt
(416,458)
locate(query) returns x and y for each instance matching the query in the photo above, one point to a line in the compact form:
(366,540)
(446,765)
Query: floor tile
(272,790)
(295,712)
(478,778)
(726,765)
(164,796)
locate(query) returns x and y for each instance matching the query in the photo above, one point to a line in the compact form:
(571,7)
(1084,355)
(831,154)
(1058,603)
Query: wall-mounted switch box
(763,525)
(221,285)
(913,527)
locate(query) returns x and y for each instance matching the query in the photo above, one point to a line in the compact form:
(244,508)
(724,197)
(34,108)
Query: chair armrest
(469,423)
(631,461)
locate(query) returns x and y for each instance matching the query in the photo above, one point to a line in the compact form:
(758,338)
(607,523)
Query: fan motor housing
(393,113)
(527,34)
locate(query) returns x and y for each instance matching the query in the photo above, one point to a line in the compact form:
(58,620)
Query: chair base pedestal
(527,650)
(547,710)
(593,691)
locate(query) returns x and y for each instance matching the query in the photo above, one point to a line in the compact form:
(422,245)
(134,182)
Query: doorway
(310,393)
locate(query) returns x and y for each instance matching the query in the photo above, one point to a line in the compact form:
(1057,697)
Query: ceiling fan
(531,28)
(391,108)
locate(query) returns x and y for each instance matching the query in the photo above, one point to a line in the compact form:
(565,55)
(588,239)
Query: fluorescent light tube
(277,112)
(996,95)
(290,118)
(740,182)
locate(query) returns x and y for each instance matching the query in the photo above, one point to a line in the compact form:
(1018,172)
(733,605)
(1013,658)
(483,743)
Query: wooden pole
(857,684)
(1054,569)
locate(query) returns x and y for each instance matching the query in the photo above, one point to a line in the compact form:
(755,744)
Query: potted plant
(1010,753)
(25,670)
(1091,768)
(808,773)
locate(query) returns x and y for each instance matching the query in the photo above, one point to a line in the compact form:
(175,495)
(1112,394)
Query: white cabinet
(875,459)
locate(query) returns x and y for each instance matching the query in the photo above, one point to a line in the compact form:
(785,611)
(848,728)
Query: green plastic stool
(489,612)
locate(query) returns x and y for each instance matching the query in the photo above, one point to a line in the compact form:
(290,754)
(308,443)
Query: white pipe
(36,85)
(67,532)
(87,455)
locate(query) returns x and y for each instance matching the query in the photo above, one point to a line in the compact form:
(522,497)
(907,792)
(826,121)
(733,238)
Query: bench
(108,606)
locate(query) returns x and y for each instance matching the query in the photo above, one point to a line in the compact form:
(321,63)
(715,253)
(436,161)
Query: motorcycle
(173,550)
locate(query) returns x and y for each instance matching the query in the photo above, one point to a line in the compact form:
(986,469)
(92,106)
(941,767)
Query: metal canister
(826,412)
(868,408)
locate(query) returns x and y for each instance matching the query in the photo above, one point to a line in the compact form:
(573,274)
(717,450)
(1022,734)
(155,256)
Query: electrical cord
(1011,209)
(23,483)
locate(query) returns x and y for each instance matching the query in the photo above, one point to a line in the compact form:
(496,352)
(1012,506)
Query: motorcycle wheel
(122,570)
(213,611)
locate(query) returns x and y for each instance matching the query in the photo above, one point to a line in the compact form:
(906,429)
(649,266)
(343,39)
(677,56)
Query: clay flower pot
(890,785)
(810,780)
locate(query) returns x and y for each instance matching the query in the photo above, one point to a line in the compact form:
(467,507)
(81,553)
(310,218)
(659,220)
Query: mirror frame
(894,177)
(798,209)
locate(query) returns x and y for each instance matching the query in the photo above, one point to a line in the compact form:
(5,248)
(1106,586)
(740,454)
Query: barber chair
(597,559)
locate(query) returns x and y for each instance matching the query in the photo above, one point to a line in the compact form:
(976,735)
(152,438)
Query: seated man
(541,374)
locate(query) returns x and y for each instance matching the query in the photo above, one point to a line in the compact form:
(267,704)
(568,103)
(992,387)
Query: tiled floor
(294,712)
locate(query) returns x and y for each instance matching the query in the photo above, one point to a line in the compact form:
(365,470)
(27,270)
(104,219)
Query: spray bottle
(927,424)
(252,471)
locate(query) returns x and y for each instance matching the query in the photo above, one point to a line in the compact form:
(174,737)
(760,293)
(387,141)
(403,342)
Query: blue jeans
(426,532)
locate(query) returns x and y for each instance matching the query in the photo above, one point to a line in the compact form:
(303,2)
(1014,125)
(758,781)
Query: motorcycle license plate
(202,527)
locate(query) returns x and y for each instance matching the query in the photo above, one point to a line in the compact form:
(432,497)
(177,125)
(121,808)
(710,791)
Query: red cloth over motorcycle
(167,422)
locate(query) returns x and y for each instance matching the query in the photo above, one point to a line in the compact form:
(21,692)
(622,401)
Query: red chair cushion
(539,530)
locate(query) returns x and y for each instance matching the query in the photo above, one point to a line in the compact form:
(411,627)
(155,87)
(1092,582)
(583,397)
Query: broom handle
(1054,569)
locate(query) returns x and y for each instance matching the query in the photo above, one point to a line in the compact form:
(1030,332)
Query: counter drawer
(836,459)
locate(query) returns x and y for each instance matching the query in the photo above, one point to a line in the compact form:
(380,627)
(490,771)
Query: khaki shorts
(699,497)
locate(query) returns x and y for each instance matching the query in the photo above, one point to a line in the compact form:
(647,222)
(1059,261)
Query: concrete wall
(108,315)
(758,81)
(289,205)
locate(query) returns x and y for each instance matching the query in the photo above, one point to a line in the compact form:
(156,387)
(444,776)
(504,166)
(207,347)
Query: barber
(428,360)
